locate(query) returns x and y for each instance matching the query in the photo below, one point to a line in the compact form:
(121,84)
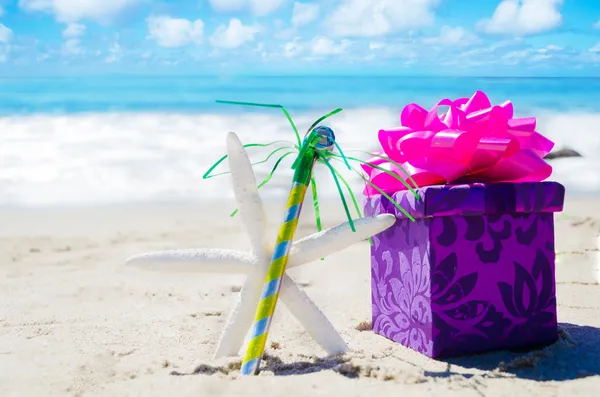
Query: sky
(264,37)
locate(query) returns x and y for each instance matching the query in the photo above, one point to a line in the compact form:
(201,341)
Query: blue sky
(404,37)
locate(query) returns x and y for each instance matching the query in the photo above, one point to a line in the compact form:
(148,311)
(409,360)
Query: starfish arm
(206,260)
(311,317)
(246,194)
(241,316)
(321,244)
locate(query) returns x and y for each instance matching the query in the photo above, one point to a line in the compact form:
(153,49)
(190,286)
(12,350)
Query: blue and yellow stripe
(270,292)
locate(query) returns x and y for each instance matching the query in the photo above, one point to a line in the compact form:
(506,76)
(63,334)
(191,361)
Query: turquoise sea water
(198,94)
(88,140)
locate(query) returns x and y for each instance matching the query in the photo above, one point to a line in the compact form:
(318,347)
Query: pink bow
(473,142)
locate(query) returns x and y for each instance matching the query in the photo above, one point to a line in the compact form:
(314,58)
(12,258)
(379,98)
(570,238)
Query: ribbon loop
(473,141)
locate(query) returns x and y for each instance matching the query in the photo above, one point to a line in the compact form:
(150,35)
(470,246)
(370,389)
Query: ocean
(101,140)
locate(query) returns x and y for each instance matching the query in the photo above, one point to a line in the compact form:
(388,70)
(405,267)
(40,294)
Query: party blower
(317,146)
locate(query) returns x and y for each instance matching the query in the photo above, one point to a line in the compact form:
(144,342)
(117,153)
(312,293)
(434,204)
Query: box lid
(472,199)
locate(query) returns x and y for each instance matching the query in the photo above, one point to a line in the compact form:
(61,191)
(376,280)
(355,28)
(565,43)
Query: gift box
(468,266)
(473,272)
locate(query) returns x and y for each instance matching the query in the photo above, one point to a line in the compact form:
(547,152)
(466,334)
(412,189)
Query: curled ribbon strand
(472,142)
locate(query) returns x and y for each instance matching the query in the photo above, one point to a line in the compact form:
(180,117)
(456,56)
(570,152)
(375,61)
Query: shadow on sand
(575,355)
(279,368)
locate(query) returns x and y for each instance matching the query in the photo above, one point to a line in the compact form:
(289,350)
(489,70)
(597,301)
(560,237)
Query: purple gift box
(474,272)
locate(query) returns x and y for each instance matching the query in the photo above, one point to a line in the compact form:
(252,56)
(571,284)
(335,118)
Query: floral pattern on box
(479,277)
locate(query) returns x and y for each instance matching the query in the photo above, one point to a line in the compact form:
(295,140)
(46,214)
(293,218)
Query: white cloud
(597,24)
(523,17)
(293,48)
(227,5)
(4,53)
(450,36)
(515,57)
(590,56)
(258,7)
(284,34)
(319,46)
(234,35)
(517,52)
(281,31)
(75,10)
(5,34)
(541,57)
(547,52)
(74,30)
(265,7)
(370,18)
(552,47)
(175,32)
(325,46)
(397,49)
(304,13)
(42,57)
(72,47)
(532,55)
(369,57)
(114,53)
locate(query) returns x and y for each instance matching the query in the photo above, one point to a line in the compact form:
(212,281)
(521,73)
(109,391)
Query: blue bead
(327,138)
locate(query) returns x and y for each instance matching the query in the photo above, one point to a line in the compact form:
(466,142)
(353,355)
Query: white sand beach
(75,321)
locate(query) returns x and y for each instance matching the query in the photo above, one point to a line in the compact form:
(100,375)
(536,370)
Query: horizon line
(263,75)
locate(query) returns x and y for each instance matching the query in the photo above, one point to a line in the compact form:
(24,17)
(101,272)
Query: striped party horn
(321,138)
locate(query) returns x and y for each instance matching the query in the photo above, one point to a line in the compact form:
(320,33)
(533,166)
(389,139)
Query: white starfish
(256,263)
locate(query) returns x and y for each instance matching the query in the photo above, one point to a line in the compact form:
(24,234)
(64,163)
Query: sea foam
(100,158)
